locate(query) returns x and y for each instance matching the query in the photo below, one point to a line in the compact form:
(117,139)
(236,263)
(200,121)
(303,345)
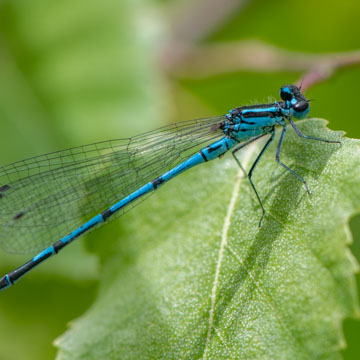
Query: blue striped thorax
(247,121)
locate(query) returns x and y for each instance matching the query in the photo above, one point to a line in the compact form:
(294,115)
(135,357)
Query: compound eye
(301,106)
(285,93)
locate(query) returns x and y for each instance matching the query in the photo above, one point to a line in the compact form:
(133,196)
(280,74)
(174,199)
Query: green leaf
(194,277)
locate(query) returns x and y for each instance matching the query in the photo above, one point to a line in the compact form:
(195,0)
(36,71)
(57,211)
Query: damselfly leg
(249,175)
(299,133)
(277,157)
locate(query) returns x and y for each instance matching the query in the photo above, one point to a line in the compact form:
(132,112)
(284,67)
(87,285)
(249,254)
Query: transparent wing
(44,198)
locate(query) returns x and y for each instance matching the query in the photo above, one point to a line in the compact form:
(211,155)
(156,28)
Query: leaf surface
(191,276)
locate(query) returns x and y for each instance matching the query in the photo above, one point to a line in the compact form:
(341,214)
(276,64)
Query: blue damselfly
(44,198)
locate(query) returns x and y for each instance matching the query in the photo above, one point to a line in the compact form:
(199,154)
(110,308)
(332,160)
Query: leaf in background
(196,278)
(80,65)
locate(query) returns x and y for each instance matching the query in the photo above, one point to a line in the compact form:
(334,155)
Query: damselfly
(45,197)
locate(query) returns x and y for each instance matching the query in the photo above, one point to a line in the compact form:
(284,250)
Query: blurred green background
(75,72)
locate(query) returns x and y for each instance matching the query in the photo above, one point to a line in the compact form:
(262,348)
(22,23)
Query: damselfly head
(295,100)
